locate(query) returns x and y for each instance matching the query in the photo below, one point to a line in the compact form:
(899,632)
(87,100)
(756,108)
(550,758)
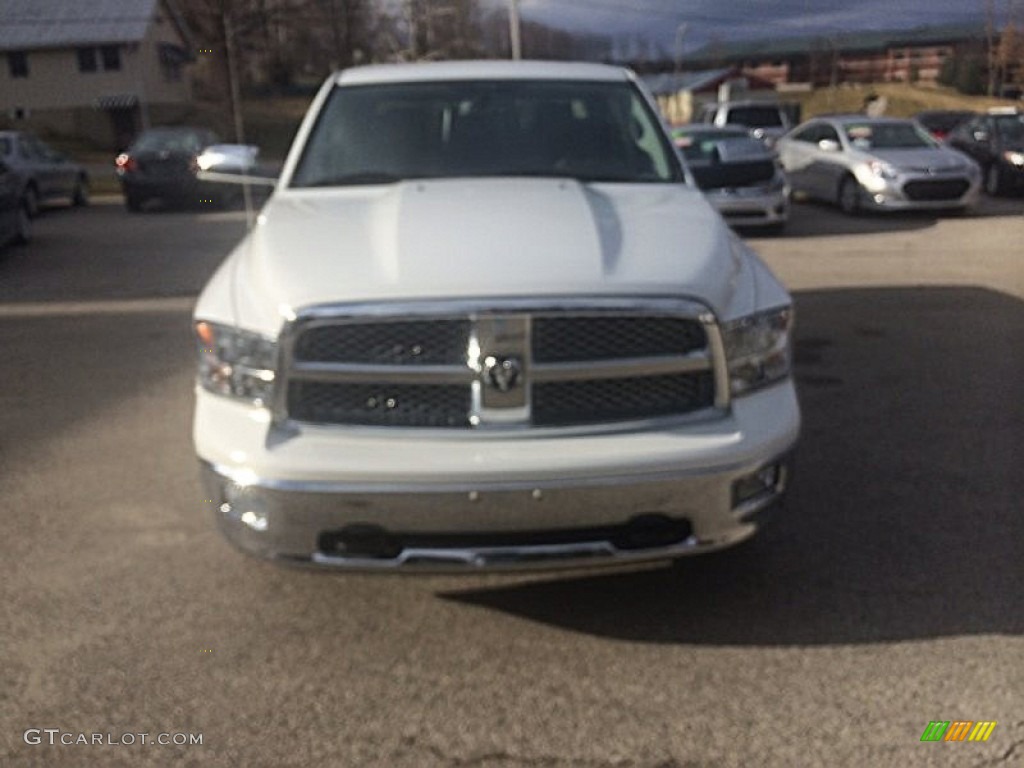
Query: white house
(97,69)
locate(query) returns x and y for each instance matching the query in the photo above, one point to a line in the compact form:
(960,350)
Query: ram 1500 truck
(486,320)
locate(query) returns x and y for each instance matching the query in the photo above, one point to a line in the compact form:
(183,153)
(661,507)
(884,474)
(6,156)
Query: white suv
(484,321)
(766,120)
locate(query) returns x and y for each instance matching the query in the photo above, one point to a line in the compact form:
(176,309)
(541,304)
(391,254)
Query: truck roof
(481,70)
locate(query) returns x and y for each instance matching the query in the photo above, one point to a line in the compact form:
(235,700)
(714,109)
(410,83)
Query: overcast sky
(658,20)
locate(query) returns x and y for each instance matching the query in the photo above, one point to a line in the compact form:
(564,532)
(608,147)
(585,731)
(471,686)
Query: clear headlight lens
(236,363)
(883,169)
(757,349)
(1014,158)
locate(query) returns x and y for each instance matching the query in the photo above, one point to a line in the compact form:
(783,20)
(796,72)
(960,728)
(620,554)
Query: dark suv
(996,142)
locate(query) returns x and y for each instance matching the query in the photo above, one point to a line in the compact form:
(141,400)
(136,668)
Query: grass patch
(904,99)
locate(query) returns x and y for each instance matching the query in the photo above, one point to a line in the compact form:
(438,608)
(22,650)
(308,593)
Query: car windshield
(591,131)
(169,141)
(867,136)
(1010,127)
(942,121)
(755,117)
(701,148)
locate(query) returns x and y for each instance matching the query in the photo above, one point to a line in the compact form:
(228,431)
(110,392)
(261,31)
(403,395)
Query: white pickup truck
(486,320)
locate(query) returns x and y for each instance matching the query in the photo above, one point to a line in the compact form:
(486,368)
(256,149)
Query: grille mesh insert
(605,400)
(383,405)
(578,338)
(404,342)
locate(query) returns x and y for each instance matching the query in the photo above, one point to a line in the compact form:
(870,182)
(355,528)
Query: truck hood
(482,238)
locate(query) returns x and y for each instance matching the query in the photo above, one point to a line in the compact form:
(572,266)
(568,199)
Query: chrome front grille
(500,364)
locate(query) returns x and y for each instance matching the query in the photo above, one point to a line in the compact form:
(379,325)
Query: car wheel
(132,202)
(994,180)
(849,195)
(22,225)
(80,194)
(31,201)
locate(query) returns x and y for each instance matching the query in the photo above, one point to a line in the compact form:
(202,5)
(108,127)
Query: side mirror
(828,145)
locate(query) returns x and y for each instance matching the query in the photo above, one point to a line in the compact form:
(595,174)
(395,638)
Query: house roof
(668,82)
(30,24)
(844,41)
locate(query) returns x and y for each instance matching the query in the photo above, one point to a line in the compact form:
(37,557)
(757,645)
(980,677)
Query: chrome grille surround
(501,334)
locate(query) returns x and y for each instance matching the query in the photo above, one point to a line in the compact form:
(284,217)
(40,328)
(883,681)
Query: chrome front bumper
(751,207)
(493,527)
(889,195)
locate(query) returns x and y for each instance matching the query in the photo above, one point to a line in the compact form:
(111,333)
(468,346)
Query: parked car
(485,322)
(941,122)
(766,120)
(739,174)
(996,142)
(46,174)
(162,163)
(877,163)
(15,222)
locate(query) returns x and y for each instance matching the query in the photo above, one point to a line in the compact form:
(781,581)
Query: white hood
(481,238)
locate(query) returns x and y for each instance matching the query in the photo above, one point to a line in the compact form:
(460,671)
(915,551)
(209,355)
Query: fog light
(879,199)
(760,483)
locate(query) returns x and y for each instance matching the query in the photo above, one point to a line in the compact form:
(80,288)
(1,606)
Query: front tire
(30,201)
(849,195)
(80,193)
(22,226)
(132,202)
(994,185)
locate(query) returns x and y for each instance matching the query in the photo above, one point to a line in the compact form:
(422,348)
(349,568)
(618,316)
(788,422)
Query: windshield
(867,136)
(170,141)
(592,131)
(755,117)
(1010,127)
(717,148)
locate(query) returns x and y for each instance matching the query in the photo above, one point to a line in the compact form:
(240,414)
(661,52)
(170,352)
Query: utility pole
(990,57)
(236,106)
(513,29)
(680,34)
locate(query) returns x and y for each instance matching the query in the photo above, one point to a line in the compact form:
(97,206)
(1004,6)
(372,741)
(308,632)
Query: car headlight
(1014,158)
(757,349)
(883,169)
(236,363)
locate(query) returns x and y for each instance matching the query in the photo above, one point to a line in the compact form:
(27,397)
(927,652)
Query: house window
(17,63)
(172,59)
(111,56)
(86,59)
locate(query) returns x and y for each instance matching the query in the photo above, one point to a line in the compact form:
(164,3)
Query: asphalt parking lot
(890,594)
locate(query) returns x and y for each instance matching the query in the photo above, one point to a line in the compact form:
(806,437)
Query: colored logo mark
(958,730)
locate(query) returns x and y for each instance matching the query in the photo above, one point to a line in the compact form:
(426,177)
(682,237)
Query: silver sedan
(863,162)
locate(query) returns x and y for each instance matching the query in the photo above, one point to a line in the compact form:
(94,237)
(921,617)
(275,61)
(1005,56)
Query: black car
(996,142)
(15,218)
(942,122)
(162,164)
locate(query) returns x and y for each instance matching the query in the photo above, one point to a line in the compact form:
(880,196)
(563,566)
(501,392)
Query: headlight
(757,349)
(883,169)
(236,363)
(1014,158)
